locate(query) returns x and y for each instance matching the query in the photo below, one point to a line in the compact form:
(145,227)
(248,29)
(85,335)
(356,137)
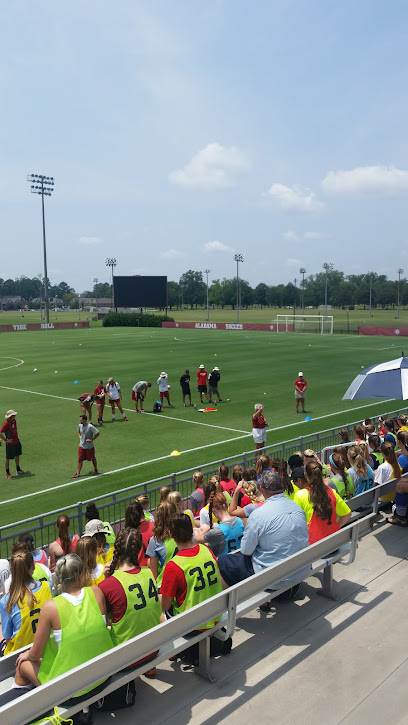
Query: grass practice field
(255,367)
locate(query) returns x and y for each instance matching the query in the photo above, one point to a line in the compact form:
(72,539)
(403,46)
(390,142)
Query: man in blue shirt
(276,530)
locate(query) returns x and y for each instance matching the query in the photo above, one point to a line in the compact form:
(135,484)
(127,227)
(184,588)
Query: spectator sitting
(299,478)
(104,554)
(227,484)
(342,451)
(77,620)
(340,479)
(275,531)
(134,519)
(369,430)
(344,435)
(403,423)
(176,499)
(65,544)
(360,472)
(144,500)
(39,555)
(41,572)
(295,461)
(209,488)
(399,517)
(388,470)
(359,434)
(93,571)
(20,607)
(325,510)
(231,526)
(374,446)
(91,512)
(163,493)
(389,436)
(184,584)
(130,592)
(280,466)
(365,451)
(263,464)
(197,497)
(312,456)
(161,546)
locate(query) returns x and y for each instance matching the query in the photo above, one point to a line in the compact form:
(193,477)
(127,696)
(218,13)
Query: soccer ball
(35,370)
(169,386)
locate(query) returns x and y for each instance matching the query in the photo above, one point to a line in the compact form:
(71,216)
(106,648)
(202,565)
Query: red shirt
(258,421)
(202,376)
(174,583)
(115,594)
(301,384)
(228,486)
(83,397)
(9,428)
(146,530)
(100,391)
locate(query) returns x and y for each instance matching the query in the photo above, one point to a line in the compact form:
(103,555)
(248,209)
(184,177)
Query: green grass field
(255,367)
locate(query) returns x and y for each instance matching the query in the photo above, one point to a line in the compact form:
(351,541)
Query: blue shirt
(275,531)
(11,623)
(403,461)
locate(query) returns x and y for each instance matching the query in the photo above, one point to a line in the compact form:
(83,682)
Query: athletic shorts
(164,394)
(235,567)
(299,396)
(185,389)
(112,401)
(13,451)
(137,395)
(212,390)
(86,454)
(259,435)
(202,388)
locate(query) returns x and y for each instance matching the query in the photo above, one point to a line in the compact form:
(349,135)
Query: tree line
(31,289)
(342,291)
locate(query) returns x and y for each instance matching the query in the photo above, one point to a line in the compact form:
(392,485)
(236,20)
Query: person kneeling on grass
(71,629)
(276,530)
(86,451)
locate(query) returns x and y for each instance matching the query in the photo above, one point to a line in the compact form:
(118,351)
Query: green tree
(194,288)
(173,294)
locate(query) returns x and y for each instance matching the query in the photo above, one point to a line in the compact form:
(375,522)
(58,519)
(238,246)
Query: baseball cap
(163,375)
(110,380)
(10,413)
(216,369)
(95,527)
(301,375)
(202,367)
(298,474)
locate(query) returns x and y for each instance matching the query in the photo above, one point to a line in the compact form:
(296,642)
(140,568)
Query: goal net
(305,323)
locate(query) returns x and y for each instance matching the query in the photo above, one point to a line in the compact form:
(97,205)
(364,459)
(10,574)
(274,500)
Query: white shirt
(113,390)
(383,473)
(162,383)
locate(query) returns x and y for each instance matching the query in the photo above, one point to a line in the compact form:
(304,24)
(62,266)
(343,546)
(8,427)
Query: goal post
(321,324)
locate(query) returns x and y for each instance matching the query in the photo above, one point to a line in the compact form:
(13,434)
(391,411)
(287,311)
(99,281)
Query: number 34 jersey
(190,578)
(143,609)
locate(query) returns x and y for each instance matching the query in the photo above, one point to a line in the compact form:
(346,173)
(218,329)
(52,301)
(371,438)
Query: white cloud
(295,198)
(172,254)
(291,236)
(317,235)
(366,180)
(214,167)
(217,247)
(293,262)
(90,240)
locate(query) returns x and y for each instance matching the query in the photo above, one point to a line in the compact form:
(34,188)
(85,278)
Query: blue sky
(179,133)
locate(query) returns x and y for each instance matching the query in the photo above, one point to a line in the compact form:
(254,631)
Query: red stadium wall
(226,326)
(42,326)
(388,331)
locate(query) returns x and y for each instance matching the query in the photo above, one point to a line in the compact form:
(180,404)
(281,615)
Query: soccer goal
(305,323)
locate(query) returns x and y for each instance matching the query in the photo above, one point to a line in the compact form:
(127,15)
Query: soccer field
(255,367)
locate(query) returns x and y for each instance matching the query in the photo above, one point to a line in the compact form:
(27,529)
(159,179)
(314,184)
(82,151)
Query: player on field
(115,397)
(185,387)
(213,380)
(162,382)
(86,451)
(139,393)
(99,394)
(8,433)
(86,401)
(202,377)
(300,392)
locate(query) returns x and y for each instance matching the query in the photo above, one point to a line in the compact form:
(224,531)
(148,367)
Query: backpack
(157,406)
(124,696)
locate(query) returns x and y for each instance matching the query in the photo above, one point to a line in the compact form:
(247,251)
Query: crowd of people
(89,594)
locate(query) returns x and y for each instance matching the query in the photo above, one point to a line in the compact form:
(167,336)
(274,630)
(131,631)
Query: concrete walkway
(309,661)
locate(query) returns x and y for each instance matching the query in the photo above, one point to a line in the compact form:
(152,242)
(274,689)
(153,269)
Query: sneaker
(184,405)
(220,400)
(138,411)
(95,473)
(125,418)
(76,475)
(8,475)
(113,420)
(142,410)
(20,472)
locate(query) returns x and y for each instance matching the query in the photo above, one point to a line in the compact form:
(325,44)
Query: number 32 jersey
(190,578)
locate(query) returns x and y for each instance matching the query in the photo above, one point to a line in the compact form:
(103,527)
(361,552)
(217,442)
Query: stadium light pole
(400,272)
(95,281)
(43,185)
(370,314)
(328,267)
(238,258)
(111,262)
(207,272)
(302,271)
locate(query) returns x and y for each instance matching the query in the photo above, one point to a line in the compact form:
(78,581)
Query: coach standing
(300,392)
(8,432)
(86,451)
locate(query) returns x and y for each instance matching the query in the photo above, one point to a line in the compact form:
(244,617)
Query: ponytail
(280,465)
(63,532)
(210,507)
(387,449)
(318,494)
(21,562)
(127,547)
(357,461)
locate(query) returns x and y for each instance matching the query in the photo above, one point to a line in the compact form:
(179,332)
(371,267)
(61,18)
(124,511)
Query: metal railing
(112,506)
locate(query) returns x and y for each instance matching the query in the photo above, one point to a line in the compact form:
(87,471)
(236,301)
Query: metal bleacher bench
(171,637)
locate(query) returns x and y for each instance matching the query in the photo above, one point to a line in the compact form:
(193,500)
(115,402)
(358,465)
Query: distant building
(13,301)
(89,302)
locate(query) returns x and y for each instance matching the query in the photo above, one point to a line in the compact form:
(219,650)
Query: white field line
(119,470)
(128,410)
(7,357)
